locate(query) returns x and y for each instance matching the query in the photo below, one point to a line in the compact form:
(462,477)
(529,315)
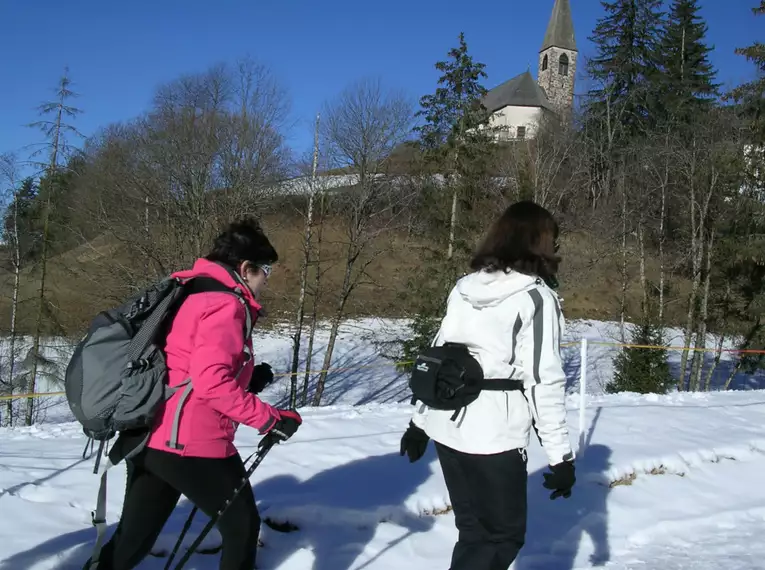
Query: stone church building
(520,104)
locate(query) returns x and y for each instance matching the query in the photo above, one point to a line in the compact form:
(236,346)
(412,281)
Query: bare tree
(543,166)
(304,271)
(9,172)
(707,166)
(316,293)
(361,129)
(210,149)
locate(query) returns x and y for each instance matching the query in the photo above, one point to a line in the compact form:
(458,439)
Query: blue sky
(118,52)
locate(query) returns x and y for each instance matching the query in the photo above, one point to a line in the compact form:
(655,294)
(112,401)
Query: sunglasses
(266,269)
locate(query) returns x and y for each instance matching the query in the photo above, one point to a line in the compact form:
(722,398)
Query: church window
(563,64)
(544,63)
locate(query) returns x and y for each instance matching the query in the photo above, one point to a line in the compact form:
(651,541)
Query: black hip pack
(448,377)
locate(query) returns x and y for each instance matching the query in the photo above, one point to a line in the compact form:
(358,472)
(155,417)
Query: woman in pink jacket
(191,449)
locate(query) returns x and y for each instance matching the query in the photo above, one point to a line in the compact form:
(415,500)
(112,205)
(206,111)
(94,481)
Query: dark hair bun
(243,240)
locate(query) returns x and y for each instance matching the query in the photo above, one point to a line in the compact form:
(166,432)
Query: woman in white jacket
(508,315)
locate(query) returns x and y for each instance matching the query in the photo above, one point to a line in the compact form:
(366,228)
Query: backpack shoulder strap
(197,285)
(125,447)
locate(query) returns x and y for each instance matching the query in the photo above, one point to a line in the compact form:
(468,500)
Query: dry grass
(86,280)
(437,512)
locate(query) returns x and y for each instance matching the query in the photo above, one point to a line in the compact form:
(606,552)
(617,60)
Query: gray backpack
(116,380)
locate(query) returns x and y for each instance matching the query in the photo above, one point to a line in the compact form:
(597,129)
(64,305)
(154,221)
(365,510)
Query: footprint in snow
(39,493)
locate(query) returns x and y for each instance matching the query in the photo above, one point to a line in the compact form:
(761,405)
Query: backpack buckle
(140,365)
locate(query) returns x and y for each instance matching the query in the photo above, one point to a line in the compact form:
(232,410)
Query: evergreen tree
(745,261)
(688,77)
(23,208)
(625,67)
(642,370)
(751,96)
(457,142)
(454,115)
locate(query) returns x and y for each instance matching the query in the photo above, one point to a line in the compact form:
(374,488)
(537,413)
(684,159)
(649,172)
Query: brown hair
(523,239)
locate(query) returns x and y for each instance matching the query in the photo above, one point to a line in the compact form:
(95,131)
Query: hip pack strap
(495,385)
(502,385)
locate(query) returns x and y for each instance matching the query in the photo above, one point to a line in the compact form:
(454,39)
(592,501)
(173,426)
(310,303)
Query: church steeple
(557,58)
(560,29)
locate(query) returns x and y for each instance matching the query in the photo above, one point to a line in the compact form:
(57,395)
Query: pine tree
(55,150)
(642,370)
(456,136)
(626,40)
(747,262)
(751,96)
(688,77)
(455,110)
(457,141)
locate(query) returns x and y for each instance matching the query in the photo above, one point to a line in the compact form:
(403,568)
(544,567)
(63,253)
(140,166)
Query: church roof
(560,30)
(520,91)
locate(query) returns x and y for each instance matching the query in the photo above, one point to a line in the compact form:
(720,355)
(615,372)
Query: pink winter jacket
(205,344)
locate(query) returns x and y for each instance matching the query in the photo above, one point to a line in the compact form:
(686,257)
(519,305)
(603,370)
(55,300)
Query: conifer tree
(457,142)
(643,370)
(688,77)
(456,135)
(751,96)
(56,148)
(624,68)
(746,264)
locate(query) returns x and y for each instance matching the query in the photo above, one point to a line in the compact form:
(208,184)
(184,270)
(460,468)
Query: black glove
(561,480)
(414,442)
(284,428)
(262,376)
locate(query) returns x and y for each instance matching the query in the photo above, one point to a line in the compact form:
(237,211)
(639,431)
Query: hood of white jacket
(483,289)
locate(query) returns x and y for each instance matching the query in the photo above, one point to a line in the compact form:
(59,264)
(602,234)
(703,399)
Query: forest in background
(656,180)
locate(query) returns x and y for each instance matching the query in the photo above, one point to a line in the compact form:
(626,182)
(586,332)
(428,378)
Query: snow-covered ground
(664,482)
(363,370)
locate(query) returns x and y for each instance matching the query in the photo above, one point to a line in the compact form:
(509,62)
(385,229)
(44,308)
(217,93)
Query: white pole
(582,395)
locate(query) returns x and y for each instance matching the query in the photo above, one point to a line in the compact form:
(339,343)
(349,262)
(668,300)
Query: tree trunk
(453,223)
(715,364)
(623,301)
(701,336)
(10,419)
(744,346)
(662,237)
(345,293)
(30,416)
(304,275)
(643,280)
(147,235)
(316,300)
(696,269)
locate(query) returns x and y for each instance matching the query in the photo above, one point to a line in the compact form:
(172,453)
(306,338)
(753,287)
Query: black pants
(488,496)
(156,480)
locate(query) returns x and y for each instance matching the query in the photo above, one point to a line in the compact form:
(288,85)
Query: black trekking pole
(260,454)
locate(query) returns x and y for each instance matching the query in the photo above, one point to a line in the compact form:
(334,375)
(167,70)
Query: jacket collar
(226,275)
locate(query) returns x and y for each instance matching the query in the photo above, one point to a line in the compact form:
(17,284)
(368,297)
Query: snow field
(358,504)
(666,482)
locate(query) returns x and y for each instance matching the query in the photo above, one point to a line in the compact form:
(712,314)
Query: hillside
(92,276)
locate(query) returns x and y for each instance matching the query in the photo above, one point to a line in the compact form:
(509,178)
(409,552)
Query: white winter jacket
(513,325)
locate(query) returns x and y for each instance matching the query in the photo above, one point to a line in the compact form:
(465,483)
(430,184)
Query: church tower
(557,59)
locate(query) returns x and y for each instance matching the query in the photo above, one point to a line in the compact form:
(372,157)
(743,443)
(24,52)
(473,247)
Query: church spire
(560,30)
